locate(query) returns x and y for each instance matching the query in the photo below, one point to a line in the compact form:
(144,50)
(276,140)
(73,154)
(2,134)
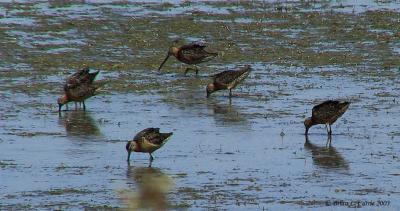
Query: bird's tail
(92,76)
(166,136)
(213,54)
(210,56)
(247,68)
(344,105)
(99,85)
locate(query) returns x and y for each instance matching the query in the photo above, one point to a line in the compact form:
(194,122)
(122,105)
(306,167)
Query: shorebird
(79,87)
(147,141)
(191,54)
(228,80)
(326,113)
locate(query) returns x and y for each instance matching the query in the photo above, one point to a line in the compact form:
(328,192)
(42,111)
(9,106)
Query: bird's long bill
(129,156)
(165,60)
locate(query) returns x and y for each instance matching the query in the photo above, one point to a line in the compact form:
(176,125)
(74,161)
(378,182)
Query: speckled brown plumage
(193,53)
(228,80)
(326,113)
(81,76)
(147,141)
(79,87)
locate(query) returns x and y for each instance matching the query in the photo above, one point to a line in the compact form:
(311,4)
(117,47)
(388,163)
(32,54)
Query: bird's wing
(90,77)
(195,46)
(149,144)
(80,77)
(195,52)
(329,109)
(229,76)
(147,133)
(155,138)
(81,92)
(163,138)
(152,136)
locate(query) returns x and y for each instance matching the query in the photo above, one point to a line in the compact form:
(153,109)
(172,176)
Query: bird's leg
(197,70)
(151,158)
(66,105)
(230,93)
(129,156)
(330,130)
(329,141)
(84,107)
(186,70)
(327,128)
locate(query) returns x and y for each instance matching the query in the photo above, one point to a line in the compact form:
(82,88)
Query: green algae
(142,47)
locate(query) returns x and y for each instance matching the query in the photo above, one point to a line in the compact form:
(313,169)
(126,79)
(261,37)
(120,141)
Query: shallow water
(247,153)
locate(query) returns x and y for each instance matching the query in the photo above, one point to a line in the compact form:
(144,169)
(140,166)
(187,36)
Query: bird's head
(62,101)
(131,146)
(210,89)
(308,123)
(171,51)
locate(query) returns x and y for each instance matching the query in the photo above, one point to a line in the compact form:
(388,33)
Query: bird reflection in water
(326,157)
(227,114)
(79,124)
(152,187)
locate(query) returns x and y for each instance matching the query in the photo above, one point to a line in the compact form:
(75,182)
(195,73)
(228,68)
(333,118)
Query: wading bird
(326,113)
(147,141)
(228,80)
(78,88)
(191,54)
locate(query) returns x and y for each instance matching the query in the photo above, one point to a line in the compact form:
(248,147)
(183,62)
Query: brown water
(249,153)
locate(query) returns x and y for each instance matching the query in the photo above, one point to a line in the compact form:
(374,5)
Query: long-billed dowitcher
(326,113)
(191,54)
(147,141)
(78,88)
(228,80)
